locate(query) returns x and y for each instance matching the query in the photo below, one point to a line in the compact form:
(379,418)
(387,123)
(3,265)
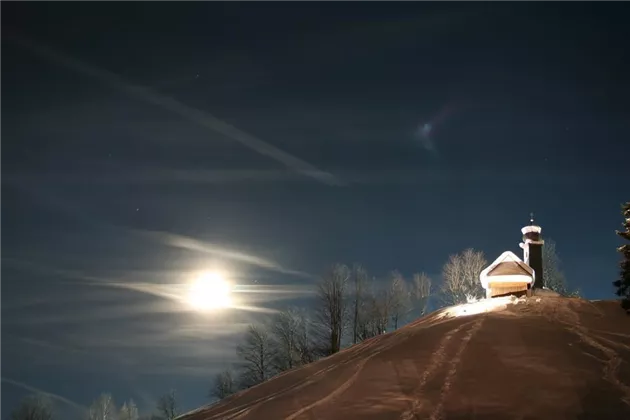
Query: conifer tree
(623,284)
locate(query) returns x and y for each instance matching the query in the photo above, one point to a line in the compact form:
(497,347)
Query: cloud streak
(195,115)
(159,176)
(415,176)
(164,238)
(191,244)
(55,397)
(47,345)
(173,297)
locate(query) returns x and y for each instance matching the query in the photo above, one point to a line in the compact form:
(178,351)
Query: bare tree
(167,405)
(381,305)
(256,356)
(103,408)
(332,308)
(128,411)
(358,297)
(375,317)
(421,291)
(286,329)
(224,385)
(306,346)
(399,300)
(34,407)
(461,277)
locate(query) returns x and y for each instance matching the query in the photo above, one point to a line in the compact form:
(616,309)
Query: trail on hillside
(542,357)
(437,412)
(439,356)
(566,313)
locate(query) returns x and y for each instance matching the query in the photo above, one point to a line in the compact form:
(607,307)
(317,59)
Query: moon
(210,291)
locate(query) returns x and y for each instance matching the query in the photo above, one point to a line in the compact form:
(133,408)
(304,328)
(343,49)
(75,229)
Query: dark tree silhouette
(224,384)
(167,405)
(357,299)
(256,356)
(623,284)
(34,407)
(332,308)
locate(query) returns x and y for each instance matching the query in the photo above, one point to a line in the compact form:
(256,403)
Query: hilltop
(531,358)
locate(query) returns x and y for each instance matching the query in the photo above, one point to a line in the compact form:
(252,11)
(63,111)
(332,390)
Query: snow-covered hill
(537,358)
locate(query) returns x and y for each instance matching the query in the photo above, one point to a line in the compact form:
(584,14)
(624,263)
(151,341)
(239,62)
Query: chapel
(509,275)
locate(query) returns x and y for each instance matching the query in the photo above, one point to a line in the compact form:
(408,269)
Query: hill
(535,358)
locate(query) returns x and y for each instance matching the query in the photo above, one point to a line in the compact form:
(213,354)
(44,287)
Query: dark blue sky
(526,106)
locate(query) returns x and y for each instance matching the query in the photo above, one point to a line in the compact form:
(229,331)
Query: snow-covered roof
(531,228)
(506,269)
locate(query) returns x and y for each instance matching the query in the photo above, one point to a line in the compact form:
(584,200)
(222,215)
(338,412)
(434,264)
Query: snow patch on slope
(481,306)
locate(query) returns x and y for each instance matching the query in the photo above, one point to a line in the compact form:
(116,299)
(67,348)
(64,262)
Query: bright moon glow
(210,291)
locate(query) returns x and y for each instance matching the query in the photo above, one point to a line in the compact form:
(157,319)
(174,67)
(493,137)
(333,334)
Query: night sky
(142,143)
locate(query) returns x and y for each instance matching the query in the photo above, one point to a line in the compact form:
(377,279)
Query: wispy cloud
(159,176)
(424,134)
(193,370)
(173,297)
(55,397)
(164,238)
(411,176)
(192,244)
(192,114)
(48,345)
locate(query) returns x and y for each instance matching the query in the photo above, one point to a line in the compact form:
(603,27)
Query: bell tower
(532,251)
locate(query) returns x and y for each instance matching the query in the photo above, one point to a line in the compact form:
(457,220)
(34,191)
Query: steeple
(532,250)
